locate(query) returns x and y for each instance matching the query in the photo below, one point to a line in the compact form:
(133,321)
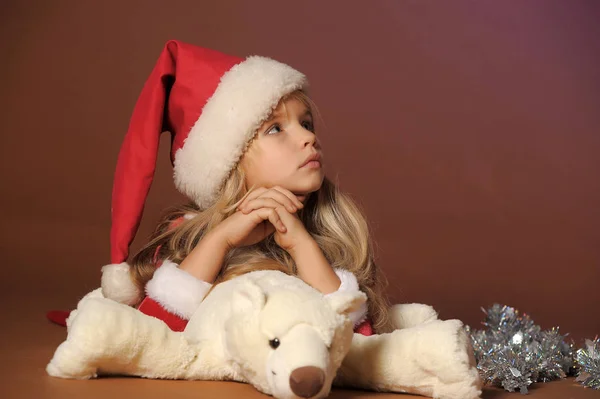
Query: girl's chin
(304,194)
(304,190)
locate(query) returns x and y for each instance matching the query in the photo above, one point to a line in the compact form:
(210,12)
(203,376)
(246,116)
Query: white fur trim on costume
(117,284)
(349,283)
(176,290)
(244,98)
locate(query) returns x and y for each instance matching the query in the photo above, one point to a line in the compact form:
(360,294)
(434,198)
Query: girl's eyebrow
(278,114)
(274,115)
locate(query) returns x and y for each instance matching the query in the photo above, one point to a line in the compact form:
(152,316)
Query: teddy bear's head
(287,339)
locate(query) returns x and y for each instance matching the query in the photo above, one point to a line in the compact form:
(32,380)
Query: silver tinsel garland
(513,352)
(588,360)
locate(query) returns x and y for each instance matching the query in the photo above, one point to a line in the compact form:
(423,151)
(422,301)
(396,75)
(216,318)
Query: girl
(246,153)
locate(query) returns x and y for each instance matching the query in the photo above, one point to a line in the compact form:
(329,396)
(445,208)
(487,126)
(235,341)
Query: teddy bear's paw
(69,362)
(467,389)
(450,359)
(89,330)
(444,350)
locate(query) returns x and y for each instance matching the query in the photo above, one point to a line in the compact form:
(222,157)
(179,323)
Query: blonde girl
(246,154)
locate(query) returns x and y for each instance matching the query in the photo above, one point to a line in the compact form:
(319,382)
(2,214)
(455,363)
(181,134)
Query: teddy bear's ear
(248,297)
(345,302)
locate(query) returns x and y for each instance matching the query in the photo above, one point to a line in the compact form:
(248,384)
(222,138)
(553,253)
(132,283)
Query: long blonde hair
(332,218)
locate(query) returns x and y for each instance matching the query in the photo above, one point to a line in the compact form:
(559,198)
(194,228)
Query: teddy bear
(273,331)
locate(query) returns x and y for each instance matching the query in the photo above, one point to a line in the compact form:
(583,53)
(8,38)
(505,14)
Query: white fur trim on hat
(349,283)
(244,98)
(176,290)
(117,284)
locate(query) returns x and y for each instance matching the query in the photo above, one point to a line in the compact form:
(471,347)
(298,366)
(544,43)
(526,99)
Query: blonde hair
(332,218)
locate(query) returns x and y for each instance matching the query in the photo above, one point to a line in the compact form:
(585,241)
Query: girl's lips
(315,157)
(312,165)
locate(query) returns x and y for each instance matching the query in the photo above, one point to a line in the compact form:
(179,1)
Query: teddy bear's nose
(307,381)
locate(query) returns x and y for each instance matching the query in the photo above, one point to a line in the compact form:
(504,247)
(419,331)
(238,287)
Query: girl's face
(278,155)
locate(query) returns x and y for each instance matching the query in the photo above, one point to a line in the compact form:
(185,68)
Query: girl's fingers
(286,199)
(290,196)
(277,222)
(253,195)
(272,216)
(260,203)
(286,217)
(271,198)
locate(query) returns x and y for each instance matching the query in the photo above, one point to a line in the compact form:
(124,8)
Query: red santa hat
(212,104)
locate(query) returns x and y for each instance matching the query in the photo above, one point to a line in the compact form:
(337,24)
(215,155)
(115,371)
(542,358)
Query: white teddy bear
(277,333)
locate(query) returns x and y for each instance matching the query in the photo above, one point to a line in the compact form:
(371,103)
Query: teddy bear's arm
(106,337)
(432,359)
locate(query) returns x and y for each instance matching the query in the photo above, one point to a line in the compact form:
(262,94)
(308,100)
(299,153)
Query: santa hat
(212,104)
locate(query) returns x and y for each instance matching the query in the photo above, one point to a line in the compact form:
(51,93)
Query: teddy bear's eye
(274,343)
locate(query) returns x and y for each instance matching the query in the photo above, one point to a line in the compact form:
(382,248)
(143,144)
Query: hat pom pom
(117,284)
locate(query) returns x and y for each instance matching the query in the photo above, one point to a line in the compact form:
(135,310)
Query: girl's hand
(257,217)
(240,229)
(295,234)
(271,198)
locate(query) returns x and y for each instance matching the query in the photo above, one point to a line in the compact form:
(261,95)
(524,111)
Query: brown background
(468,130)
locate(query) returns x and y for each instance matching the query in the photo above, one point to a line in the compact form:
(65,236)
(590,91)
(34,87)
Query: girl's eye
(272,130)
(308,125)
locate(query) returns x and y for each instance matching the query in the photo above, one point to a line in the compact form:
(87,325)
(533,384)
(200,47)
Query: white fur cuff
(176,290)
(349,283)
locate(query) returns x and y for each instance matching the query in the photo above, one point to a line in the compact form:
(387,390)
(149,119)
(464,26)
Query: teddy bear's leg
(411,314)
(433,359)
(106,337)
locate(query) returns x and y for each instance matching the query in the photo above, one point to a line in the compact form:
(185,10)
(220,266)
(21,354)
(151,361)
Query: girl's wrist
(307,244)
(214,239)
(313,267)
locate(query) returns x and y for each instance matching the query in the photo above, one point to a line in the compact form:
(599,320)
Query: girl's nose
(310,140)
(308,137)
(304,136)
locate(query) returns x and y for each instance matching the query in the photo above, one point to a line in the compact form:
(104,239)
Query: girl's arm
(239,229)
(179,289)
(206,259)
(175,291)
(316,271)
(314,268)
